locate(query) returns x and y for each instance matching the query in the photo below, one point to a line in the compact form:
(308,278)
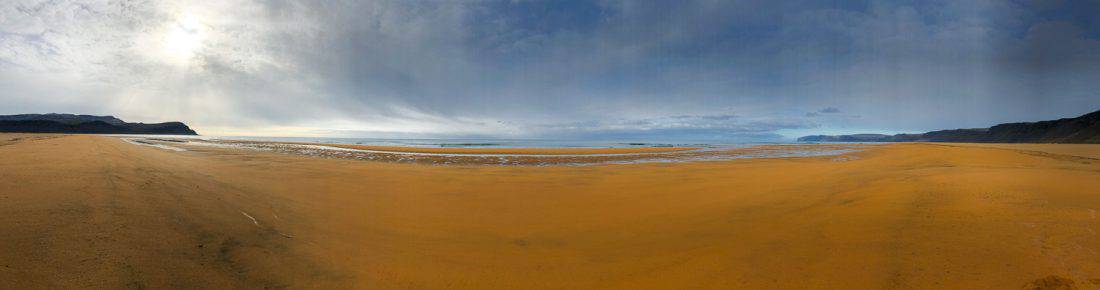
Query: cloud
(511,68)
(828,110)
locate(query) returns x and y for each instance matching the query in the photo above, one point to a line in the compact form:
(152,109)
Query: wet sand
(517,151)
(508,156)
(97,212)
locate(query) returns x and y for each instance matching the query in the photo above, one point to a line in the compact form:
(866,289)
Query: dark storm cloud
(678,69)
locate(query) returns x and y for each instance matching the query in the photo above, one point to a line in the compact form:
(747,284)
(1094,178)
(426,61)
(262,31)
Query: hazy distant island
(86,124)
(1083,129)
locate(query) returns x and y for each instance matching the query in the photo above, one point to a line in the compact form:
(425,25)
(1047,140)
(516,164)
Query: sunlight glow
(184,38)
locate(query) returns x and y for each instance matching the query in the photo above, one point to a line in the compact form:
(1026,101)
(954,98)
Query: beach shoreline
(509,156)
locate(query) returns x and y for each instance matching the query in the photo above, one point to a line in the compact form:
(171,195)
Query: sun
(184,38)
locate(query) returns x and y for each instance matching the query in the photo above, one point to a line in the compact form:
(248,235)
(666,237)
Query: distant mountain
(1083,129)
(86,124)
(63,118)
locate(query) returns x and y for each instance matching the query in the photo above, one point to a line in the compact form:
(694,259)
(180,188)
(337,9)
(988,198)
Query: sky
(614,69)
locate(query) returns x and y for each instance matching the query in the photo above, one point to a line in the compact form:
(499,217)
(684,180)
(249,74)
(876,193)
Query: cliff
(86,124)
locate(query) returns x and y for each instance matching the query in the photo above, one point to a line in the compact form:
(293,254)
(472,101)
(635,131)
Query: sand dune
(97,212)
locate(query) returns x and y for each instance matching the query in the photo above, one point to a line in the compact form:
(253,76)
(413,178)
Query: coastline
(507,156)
(516,151)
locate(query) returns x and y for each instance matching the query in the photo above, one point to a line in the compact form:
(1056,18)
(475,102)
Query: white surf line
(161,146)
(648,157)
(332,148)
(323,147)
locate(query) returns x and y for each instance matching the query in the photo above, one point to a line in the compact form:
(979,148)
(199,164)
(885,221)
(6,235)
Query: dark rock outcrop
(1083,129)
(86,124)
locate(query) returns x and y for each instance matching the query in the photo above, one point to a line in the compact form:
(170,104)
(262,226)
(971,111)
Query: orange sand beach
(84,211)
